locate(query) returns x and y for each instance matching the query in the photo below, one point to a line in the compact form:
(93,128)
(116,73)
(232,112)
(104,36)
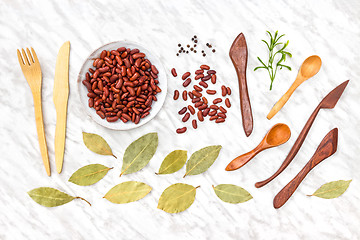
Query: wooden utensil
(31,69)
(327,147)
(308,69)
(238,55)
(60,97)
(276,136)
(328,102)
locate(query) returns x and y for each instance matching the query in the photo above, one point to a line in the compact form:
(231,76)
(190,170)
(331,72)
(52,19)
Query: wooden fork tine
(34,55)
(21,61)
(26,61)
(31,60)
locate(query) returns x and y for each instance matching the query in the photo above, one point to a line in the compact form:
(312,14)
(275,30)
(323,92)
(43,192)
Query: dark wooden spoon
(328,102)
(326,148)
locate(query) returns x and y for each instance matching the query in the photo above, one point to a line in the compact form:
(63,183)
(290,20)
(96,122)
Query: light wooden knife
(60,97)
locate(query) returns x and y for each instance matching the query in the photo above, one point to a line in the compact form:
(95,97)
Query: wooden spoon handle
(276,108)
(327,147)
(294,150)
(243,159)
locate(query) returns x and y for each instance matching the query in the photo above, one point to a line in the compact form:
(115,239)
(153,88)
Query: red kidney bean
(176,94)
(138,55)
(212,118)
(191,95)
(173,72)
(206,112)
(211,72)
(103,54)
(200,116)
(87,84)
(112,119)
(197,88)
(220,120)
(181,130)
(182,111)
(91,102)
(202,107)
(101,114)
(222,115)
(200,71)
(217,100)
(196,94)
(203,84)
(204,99)
(223,110)
(204,67)
(211,92)
(199,76)
(186,117)
(223,91)
(227,103)
(154,69)
(206,78)
(228,90)
(191,109)
(214,107)
(195,100)
(213,79)
(198,104)
(212,113)
(187,82)
(185,75)
(184,95)
(194,123)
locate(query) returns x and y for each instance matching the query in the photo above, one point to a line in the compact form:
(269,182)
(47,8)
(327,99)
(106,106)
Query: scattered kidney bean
(212,118)
(214,107)
(213,79)
(211,92)
(200,116)
(185,75)
(217,100)
(203,84)
(173,72)
(181,130)
(176,95)
(204,99)
(191,95)
(228,91)
(191,109)
(223,91)
(199,76)
(211,72)
(183,110)
(197,88)
(223,110)
(196,94)
(198,104)
(212,113)
(186,117)
(222,115)
(202,107)
(187,82)
(204,67)
(194,123)
(220,120)
(184,95)
(200,71)
(207,77)
(227,103)
(195,100)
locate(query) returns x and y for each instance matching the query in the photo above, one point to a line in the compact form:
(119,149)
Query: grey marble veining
(330,29)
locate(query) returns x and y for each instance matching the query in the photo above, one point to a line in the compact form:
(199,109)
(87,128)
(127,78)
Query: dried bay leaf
(138,153)
(127,192)
(173,162)
(89,174)
(332,189)
(177,198)
(97,144)
(202,159)
(51,197)
(231,193)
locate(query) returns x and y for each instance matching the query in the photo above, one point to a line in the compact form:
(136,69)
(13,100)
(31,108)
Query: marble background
(330,29)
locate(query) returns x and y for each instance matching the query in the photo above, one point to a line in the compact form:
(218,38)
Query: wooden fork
(31,69)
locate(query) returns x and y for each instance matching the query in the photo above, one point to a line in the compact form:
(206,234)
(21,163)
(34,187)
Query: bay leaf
(51,197)
(89,174)
(177,198)
(231,193)
(127,192)
(332,189)
(138,153)
(202,159)
(173,162)
(97,144)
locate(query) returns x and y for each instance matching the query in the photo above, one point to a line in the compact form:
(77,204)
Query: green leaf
(285,66)
(51,197)
(97,144)
(173,162)
(177,198)
(201,160)
(89,174)
(138,153)
(266,43)
(231,193)
(259,68)
(262,62)
(127,192)
(332,189)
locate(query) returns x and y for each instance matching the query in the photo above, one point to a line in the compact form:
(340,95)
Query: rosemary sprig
(274,41)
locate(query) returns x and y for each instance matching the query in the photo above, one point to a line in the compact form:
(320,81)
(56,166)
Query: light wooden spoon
(309,68)
(276,136)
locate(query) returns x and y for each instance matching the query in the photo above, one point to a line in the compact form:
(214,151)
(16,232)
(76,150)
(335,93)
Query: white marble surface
(330,29)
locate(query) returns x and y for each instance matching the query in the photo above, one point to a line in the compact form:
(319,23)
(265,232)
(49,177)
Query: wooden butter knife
(328,102)
(60,97)
(326,148)
(238,55)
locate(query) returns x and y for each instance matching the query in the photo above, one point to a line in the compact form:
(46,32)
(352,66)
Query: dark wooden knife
(328,102)
(238,55)
(326,148)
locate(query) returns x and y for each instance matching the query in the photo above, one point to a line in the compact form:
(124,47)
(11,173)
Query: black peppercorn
(202,51)
(179,51)
(195,45)
(188,45)
(213,50)
(194,51)
(191,49)
(179,45)
(195,36)
(187,51)
(195,41)
(177,54)
(204,55)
